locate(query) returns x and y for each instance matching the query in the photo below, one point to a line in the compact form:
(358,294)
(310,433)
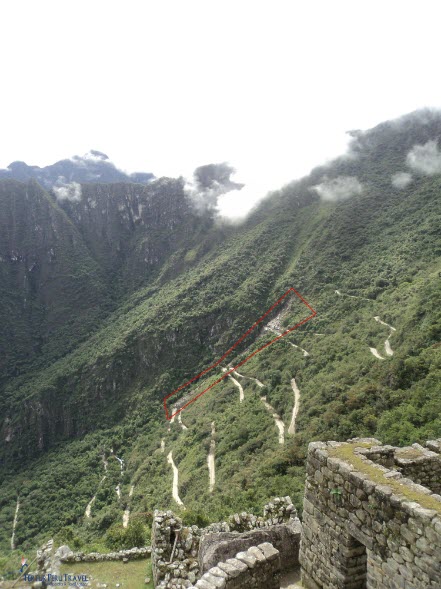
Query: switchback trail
(305,353)
(120,460)
(279,423)
(374,351)
(257,381)
(343,294)
(387,346)
(184,427)
(14,525)
(277,419)
(162,445)
(175,490)
(92,501)
(295,409)
(237,384)
(210,459)
(279,332)
(126,514)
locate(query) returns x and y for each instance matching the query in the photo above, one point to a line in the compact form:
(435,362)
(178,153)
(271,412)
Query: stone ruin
(371,520)
(245,551)
(366,524)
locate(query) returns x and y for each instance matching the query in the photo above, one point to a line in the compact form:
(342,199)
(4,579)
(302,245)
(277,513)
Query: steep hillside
(52,291)
(66,264)
(131,230)
(365,254)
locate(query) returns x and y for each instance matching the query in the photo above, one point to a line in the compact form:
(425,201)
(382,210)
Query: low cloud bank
(401,180)
(340,188)
(425,159)
(70,192)
(209,183)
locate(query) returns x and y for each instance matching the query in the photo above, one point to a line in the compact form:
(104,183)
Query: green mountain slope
(374,255)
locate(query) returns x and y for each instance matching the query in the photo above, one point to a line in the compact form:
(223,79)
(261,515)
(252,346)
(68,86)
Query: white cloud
(401,180)
(340,188)
(70,191)
(425,158)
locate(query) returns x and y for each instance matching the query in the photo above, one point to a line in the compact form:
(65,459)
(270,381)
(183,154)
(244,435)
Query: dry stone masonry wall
(257,568)
(181,554)
(365,524)
(131,554)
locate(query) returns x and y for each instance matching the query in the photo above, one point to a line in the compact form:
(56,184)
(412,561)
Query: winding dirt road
(305,353)
(296,407)
(343,294)
(92,501)
(14,525)
(162,445)
(184,427)
(126,514)
(256,380)
(120,460)
(278,332)
(387,346)
(175,491)
(238,385)
(278,421)
(374,351)
(210,459)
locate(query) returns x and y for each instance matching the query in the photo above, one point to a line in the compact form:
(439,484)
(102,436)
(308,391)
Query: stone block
(247,558)
(258,554)
(241,566)
(217,582)
(204,584)
(218,572)
(230,570)
(269,551)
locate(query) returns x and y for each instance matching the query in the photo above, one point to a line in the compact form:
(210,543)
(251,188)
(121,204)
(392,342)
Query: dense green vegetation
(381,247)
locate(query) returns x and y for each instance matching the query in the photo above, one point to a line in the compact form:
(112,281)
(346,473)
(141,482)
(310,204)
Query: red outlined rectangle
(193,399)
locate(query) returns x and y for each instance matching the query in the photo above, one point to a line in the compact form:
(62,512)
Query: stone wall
(285,537)
(257,568)
(366,526)
(174,551)
(421,465)
(415,462)
(180,554)
(131,554)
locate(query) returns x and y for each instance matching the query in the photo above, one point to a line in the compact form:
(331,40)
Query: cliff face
(132,229)
(49,284)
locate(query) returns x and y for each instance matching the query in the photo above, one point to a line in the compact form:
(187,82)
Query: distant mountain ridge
(94,167)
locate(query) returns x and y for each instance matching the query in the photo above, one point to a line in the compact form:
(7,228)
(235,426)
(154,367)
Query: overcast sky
(165,86)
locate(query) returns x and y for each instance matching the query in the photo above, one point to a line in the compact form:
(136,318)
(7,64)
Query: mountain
(94,167)
(169,289)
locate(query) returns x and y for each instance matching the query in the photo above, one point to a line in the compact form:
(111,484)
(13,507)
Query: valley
(115,314)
